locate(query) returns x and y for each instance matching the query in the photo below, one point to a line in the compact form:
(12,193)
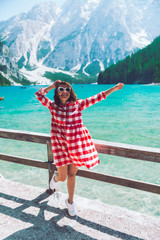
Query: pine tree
(142,67)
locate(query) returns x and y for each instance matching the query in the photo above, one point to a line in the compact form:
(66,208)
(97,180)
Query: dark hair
(72,97)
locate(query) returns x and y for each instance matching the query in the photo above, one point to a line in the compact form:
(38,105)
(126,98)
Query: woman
(72,145)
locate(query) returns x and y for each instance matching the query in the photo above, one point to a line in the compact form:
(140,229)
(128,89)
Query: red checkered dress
(70,139)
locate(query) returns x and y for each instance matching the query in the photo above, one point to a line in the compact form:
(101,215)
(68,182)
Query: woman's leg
(62,174)
(72,170)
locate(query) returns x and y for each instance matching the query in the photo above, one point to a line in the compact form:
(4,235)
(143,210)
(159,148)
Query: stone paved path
(28,213)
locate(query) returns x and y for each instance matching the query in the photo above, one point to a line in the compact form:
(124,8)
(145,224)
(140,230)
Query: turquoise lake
(130,115)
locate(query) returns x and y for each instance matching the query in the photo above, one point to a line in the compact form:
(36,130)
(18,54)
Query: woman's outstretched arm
(113,89)
(98,97)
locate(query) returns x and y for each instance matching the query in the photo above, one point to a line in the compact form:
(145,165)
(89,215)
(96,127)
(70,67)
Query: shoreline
(83,84)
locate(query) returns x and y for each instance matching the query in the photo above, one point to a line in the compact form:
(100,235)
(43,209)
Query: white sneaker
(53,184)
(55,199)
(71,208)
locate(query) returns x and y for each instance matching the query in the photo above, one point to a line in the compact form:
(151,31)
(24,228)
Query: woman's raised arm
(98,97)
(40,94)
(54,85)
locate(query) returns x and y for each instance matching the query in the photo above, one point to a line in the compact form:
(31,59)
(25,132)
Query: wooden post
(50,161)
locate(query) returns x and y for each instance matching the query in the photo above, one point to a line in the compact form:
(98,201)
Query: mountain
(92,40)
(26,32)
(83,37)
(143,67)
(9,72)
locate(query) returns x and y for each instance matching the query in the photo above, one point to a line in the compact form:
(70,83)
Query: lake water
(130,116)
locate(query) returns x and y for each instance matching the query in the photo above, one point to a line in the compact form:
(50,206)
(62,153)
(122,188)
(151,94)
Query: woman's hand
(119,86)
(56,83)
(115,88)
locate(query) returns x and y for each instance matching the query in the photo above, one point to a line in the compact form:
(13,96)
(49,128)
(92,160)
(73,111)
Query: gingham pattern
(70,139)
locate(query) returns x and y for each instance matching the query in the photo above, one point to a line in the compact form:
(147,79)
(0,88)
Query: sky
(9,8)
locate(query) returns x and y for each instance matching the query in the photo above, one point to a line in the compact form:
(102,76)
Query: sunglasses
(62,89)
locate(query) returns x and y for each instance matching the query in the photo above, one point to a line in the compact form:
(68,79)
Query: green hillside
(142,67)
(77,79)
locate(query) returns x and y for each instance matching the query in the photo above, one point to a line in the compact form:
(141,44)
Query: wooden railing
(116,149)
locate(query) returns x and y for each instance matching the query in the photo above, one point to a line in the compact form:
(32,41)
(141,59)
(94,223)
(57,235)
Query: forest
(142,67)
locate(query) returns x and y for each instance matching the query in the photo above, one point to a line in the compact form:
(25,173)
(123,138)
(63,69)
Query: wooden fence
(116,149)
